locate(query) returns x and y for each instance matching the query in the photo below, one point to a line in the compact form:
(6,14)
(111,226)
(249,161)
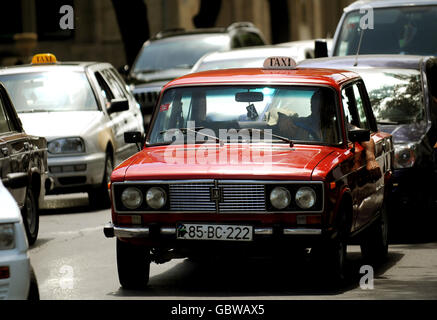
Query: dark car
(23,165)
(172,53)
(404,100)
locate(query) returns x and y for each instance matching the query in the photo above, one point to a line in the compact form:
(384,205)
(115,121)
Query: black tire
(33,289)
(133,264)
(98,198)
(374,245)
(31,217)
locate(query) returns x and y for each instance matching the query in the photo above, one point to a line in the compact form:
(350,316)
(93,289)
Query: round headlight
(131,198)
(305,197)
(156,198)
(280,198)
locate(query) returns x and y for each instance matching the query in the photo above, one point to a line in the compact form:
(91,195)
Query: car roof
(73,65)
(330,77)
(247,52)
(393,61)
(388,4)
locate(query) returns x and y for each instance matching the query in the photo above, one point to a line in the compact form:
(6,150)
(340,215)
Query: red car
(253,161)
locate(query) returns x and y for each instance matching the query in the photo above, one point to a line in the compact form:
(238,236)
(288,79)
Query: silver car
(83,110)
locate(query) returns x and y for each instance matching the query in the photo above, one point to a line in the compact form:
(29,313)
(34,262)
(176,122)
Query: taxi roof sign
(279,63)
(44,58)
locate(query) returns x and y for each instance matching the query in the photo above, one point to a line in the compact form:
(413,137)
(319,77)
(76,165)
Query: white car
(241,58)
(17,280)
(83,110)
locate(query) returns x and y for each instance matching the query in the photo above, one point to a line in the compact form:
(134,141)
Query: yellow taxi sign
(279,63)
(44,58)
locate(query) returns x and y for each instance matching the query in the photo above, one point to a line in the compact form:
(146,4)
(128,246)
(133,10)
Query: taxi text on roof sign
(44,58)
(279,63)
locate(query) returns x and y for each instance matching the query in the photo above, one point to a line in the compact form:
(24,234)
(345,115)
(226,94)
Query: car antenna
(359,47)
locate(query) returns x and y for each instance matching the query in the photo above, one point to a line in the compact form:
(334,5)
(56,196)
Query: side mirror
(359,135)
(118,105)
(135,137)
(320,49)
(16,180)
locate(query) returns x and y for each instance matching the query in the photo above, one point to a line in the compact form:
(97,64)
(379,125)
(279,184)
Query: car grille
(233,197)
(146,100)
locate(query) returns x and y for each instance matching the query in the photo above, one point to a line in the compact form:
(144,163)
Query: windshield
(178,52)
(50,91)
(299,113)
(396,95)
(405,30)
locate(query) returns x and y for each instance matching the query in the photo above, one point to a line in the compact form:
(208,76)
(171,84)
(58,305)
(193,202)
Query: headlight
(405,156)
(280,198)
(305,197)
(66,145)
(156,198)
(7,236)
(132,198)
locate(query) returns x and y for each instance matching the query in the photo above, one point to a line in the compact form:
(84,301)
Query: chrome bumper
(111,231)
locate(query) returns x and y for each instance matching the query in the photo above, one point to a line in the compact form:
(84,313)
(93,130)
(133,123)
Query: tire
(33,289)
(133,264)
(374,246)
(98,198)
(31,217)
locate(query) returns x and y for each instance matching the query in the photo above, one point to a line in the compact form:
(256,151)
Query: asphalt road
(73,260)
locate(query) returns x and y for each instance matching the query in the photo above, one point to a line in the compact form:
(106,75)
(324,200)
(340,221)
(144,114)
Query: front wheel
(31,217)
(133,263)
(99,197)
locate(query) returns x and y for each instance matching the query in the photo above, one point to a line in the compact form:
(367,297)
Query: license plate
(194,231)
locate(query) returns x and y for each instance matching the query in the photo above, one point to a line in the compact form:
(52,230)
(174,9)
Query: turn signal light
(4,273)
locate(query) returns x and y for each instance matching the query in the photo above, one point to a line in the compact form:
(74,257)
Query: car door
(367,194)
(14,146)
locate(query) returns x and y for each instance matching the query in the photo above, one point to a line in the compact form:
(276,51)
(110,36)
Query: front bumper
(76,173)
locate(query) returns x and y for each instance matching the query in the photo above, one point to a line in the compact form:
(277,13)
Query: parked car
(253,161)
(17,279)
(402,91)
(387,27)
(23,165)
(244,57)
(83,110)
(172,53)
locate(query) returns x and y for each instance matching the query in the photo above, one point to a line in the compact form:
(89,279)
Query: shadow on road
(253,278)
(67,204)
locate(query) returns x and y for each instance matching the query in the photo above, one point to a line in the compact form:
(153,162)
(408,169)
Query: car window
(105,91)
(4,123)
(364,123)
(249,39)
(350,107)
(178,52)
(296,112)
(50,91)
(397,30)
(115,86)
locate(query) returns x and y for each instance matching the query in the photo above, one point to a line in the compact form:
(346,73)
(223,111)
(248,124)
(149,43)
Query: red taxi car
(254,161)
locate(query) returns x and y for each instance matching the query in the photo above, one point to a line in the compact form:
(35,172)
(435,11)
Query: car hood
(159,76)
(279,162)
(59,124)
(9,213)
(405,133)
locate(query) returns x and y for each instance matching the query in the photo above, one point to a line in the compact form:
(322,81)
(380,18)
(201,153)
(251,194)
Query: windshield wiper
(194,130)
(274,136)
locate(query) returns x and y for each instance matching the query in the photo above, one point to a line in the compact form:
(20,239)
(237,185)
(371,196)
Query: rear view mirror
(118,105)
(359,135)
(249,96)
(320,49)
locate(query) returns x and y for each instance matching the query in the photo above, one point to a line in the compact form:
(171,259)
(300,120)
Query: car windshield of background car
(50,91)
(406,30)
(286,110)
(396,95)
(180,53)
